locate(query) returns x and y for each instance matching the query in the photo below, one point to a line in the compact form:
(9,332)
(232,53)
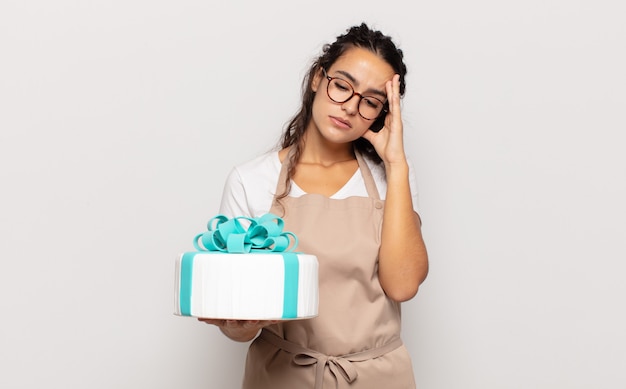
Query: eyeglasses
(340,91)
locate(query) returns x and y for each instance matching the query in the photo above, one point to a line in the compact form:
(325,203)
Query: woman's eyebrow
(356,83)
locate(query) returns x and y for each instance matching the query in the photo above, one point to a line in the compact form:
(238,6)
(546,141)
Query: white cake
(246,286)
(267,281)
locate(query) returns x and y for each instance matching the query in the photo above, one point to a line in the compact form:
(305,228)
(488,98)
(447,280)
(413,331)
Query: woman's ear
(317,78)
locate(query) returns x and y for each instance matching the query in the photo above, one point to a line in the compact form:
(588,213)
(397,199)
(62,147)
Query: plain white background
(120,120)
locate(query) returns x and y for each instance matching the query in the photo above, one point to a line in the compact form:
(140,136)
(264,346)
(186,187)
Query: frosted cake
(246,268)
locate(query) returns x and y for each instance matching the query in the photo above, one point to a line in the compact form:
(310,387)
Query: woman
(343,185)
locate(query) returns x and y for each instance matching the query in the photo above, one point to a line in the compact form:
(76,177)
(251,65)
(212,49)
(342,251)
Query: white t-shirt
(250,187)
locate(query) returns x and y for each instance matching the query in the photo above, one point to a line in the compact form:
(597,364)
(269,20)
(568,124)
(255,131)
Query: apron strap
(339,366)
(370,184)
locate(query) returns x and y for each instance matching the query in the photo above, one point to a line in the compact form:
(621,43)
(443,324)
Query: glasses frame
(354,93)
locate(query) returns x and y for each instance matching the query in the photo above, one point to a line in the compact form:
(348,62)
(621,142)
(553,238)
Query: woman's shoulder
(250,186)
(265,163)
(380,177)
(258,176)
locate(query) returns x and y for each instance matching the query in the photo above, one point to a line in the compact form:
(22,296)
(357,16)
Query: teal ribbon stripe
(290,299)
(263,235)
(186,274)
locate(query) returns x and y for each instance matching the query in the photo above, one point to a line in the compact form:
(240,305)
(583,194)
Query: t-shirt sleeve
(234,200)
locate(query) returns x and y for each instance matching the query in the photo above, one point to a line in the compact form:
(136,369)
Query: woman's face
(367,73)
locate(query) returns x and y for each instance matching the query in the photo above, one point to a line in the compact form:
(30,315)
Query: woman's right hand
(239,330)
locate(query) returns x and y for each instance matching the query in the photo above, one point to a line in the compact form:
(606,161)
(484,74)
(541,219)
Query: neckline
(363,169)
(348,183)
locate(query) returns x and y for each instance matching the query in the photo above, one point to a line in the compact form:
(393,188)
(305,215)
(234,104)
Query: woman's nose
(352,105)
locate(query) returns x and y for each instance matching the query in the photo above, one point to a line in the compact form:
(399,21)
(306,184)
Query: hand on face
(388,142)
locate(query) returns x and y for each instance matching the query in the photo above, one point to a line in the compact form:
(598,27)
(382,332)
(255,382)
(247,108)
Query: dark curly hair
(360,36)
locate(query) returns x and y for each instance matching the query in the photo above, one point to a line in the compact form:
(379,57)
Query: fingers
(393,91)
(217,322)
(238,324)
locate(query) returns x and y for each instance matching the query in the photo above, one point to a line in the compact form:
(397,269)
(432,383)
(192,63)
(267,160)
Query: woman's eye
(372,102)
(342,86)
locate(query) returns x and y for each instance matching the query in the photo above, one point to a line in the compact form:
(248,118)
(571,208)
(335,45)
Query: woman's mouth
(344,124)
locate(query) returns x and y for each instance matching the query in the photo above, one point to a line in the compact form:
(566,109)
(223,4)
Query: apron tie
(338,365)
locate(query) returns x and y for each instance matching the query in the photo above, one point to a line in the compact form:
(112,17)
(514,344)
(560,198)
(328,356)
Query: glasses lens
(370,107)
(339,90)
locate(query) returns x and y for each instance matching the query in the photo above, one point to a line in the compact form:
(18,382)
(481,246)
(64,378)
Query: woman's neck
(318,151)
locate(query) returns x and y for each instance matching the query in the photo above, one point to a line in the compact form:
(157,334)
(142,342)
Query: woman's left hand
(402,260)
(389,142)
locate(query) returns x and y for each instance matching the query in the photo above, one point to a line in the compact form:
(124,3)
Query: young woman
(342,183)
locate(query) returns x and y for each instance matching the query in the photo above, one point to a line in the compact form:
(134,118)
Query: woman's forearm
(403,259)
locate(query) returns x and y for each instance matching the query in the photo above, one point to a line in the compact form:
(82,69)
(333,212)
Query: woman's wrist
(399,169)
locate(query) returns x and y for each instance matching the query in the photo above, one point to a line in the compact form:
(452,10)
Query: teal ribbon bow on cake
(262,235)
(229,235)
